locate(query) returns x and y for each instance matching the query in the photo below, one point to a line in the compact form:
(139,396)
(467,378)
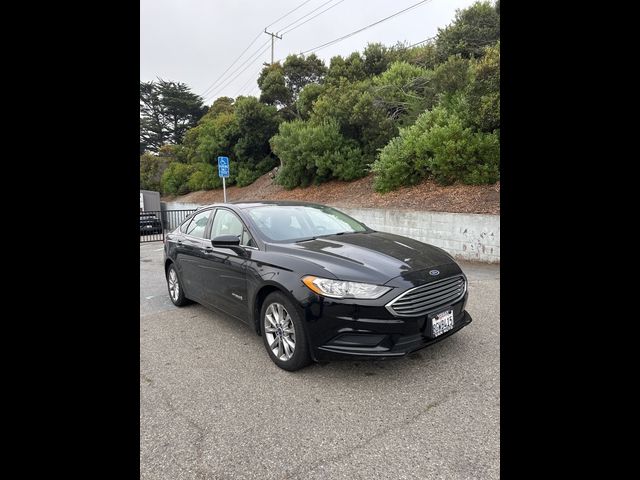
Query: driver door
(226,271)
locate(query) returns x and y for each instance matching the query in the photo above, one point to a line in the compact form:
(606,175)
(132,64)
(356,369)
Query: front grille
(426,298)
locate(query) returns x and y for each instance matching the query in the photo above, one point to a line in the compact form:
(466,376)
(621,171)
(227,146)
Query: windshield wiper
(315,237)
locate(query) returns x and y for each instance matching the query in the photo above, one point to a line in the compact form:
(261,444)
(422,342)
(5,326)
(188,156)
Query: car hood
(374,257)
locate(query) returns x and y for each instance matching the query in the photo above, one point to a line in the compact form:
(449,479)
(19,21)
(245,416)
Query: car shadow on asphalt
(430,360)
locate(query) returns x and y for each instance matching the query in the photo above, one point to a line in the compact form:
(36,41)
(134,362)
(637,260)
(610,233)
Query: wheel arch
(167,263)
(259,298)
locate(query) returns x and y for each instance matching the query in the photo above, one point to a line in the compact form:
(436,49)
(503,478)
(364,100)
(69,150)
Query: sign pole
(224,190)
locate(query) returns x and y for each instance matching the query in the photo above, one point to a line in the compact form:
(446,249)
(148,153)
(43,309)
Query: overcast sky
(194,41)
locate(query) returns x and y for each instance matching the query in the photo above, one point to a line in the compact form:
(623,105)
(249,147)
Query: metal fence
(155,224)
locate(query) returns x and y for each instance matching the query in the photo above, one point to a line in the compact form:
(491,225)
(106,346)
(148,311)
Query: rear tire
(284,333)
(176,292)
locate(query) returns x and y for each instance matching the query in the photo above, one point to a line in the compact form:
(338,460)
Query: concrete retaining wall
(180,206)
(465,236)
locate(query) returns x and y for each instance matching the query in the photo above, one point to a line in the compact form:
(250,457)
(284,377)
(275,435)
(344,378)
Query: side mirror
(226,241)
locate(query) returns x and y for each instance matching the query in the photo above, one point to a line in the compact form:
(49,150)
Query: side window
(247,241)
(227,223)
(185,224)
(198,225)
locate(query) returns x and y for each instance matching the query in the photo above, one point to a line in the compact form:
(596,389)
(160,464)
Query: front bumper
(354,331)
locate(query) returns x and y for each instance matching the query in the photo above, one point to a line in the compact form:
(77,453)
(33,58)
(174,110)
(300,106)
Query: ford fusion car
(315,283)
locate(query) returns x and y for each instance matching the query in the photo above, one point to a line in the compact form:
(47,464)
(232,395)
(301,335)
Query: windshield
(297,222)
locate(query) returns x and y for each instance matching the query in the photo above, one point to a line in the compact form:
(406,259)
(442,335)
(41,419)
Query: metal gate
(155,224)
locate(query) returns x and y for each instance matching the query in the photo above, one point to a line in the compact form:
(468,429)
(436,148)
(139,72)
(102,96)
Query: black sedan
(149,224)
(315,283)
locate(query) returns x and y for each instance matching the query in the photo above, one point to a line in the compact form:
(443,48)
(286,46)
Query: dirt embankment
(427,195)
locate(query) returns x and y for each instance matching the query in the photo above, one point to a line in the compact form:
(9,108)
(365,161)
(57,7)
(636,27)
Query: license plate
(441,323)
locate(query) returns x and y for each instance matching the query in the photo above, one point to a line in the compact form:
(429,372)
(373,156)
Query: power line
(221,88)
(344,37)
(247,48)
(423,41)
(309,19)
(249,59)
(314,10)
(253,90)
(252,77)
(288,13)
(332,42)
(229,67)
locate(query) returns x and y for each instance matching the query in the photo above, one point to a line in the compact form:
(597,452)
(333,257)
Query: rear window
(198,225)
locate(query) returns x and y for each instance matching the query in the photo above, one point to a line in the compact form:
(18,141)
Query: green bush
(246,176)
(438,146)
(315,153)
(176,177)
(393,169)
(267,164)
(347,163)
(204,177)
(459,154)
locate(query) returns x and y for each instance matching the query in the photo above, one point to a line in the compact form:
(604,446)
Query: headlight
(342,289)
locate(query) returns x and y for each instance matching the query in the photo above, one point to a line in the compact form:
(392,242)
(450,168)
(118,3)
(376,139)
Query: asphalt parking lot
(214,406)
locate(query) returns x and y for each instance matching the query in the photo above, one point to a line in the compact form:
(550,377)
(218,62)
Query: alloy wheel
(174,285)
(279,331)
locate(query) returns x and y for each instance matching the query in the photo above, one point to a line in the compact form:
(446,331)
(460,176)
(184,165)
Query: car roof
(259,203)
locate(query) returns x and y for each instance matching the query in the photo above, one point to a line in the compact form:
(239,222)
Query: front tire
(176,292)
(283,333)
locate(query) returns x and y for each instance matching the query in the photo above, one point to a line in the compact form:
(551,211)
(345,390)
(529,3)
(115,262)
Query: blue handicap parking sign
(223,167)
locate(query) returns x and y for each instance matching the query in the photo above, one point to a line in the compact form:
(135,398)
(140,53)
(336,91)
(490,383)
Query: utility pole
(273,37)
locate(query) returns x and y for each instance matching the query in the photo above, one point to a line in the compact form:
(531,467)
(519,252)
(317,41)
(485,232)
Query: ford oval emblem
(433,273)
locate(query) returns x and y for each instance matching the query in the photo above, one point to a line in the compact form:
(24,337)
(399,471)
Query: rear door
(191,254)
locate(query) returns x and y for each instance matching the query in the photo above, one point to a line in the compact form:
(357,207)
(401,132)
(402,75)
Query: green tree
(273,88)
(484,91)
(151,170)
(300,71)
(451,76)
(257,123)
(281,85)
(358,116)
(220,105)
(424,56)
(404,91)
(307,98)
(216,137)
(350,68)
(167,111)
(473,29)
(377,58)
